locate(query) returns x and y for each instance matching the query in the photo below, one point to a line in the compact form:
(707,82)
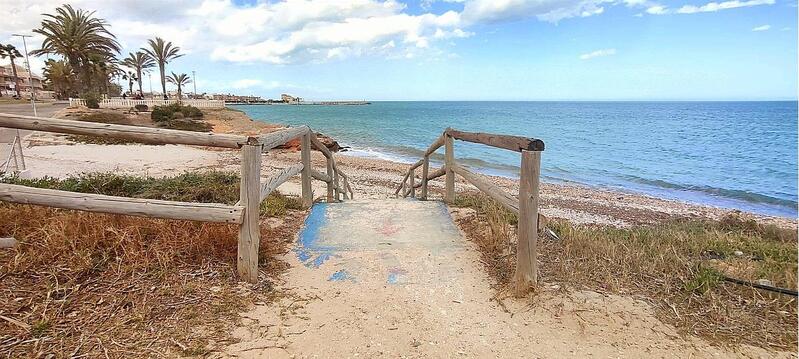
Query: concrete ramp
(378,241)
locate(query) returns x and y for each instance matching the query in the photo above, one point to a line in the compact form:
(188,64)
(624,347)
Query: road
(46,109)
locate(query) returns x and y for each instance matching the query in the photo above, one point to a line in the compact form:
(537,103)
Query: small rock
(738,253)
(216,289)
(765,282)
(415,343)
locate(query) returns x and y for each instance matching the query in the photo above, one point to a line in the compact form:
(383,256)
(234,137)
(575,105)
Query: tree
(138,61)
(77,36)
(179,80)
(60,77)
(130,76)
(161,52)
(12,53)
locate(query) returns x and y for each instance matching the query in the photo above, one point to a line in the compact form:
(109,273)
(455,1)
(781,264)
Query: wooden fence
(128,103)
(244,213)
(525,206)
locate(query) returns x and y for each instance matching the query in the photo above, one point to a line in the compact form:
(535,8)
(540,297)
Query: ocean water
(739,155)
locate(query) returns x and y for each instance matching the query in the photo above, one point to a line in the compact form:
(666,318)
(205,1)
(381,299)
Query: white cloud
(475,11)
(761,28)
(714,6)
(598,53)
(656,10)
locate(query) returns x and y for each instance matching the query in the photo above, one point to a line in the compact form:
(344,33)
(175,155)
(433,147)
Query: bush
(141,108)
(92,101)
(175,111)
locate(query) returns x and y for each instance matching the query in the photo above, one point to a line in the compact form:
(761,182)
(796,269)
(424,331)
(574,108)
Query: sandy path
(367,282)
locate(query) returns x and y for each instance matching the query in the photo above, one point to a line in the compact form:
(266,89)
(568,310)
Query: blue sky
(467,49)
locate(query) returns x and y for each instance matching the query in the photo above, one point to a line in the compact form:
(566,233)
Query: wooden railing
(128,103)
(525,206)
(244,213)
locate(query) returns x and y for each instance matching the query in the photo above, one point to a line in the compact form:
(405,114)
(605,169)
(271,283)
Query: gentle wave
(715,191)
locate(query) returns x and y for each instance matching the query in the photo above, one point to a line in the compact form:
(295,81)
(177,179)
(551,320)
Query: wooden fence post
(412,182)
(336,186)
(449,161)
(250,199)
(526,251)
(330,184)
(345,186)
(425,170)
(307,190)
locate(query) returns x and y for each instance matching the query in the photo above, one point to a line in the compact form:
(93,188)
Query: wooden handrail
(273,182)
(525,205)
(205,212)
(252,191)
(131,133)
(277,138)
(513,143)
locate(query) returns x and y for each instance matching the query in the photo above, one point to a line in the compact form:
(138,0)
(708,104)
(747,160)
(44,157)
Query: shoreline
(53,155)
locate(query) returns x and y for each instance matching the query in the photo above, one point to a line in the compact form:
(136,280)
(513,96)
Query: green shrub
(141,107)
(175,111)
(92,101)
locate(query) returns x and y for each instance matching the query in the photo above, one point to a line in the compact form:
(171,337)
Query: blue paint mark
(340,276)
(308,249)
(395,274)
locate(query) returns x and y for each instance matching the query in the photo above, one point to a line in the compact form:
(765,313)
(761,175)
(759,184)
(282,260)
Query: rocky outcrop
(328,141)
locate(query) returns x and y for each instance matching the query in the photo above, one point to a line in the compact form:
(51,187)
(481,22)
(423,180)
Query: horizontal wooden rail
(433,175)
(513,143)
(435,146)
(321,147)
(273,182)
(132,133)
(504,198)
(320,176)
(206,212)
(277,138)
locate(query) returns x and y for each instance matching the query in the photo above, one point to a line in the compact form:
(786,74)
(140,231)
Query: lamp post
(194,80)
(30,79)
(150,78)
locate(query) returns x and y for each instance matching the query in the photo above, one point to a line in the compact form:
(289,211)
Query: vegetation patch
(678,266)
(175,111)
(101,285)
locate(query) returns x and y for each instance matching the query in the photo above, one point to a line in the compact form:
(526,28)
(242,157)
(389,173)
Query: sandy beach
(56,156)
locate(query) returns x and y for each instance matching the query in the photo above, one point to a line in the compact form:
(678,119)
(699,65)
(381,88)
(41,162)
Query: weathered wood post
(250,199)
(336,186)
(330,184)
(345,186)
(412,180)
(449,162)
(307,190)
(526,251)
(425,170)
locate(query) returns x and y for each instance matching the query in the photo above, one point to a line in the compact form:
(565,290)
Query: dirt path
(395,278)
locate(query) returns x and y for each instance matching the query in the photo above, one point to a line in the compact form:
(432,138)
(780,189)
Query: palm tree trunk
(16,78)
(138,76)
(163,79)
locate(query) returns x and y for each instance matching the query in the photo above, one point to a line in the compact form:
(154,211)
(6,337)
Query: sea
(737,155)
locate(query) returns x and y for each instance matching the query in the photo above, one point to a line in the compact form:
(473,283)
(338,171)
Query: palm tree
(12,53)
(179,80)
(138,61)
(130,76)
(161,52)
(77,36)
(60,77)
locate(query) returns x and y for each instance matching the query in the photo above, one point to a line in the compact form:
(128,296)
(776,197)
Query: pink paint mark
(388,228)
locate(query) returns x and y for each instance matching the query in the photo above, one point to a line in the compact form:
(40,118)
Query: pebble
(738,253)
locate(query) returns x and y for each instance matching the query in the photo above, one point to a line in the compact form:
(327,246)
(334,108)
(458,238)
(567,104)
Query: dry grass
(676,265)
(97,285)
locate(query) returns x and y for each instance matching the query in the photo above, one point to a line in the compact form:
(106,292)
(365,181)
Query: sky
(459,49)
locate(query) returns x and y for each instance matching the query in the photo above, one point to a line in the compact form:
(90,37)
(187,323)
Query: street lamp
(30,79)
(194,80)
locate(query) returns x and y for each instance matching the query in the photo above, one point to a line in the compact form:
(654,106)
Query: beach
(55,155)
